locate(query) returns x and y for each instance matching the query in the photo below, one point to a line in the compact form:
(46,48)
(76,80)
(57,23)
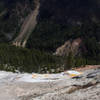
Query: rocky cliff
(13,14)
(28,26)
(70,46)
(60,26)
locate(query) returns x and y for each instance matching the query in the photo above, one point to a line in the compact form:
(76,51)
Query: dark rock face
(63,12)
(15,13)
(69,10)
(60,11)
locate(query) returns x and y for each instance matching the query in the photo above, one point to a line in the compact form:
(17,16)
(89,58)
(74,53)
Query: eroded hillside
(46,25)
(12,16)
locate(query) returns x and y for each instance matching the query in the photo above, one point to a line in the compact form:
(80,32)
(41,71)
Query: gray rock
(85,87)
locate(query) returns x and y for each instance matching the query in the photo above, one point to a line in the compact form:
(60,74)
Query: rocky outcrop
(83,87)
(27,27)
(12,15)
(69,46)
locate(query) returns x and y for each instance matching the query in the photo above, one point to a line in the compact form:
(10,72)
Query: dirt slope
(27,27)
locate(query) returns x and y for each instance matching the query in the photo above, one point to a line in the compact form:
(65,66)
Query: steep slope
(64,20)
(12,16)
(64,12)
(27,27)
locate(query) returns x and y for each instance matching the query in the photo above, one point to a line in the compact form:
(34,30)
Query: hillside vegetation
(13,58)
(57,21)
